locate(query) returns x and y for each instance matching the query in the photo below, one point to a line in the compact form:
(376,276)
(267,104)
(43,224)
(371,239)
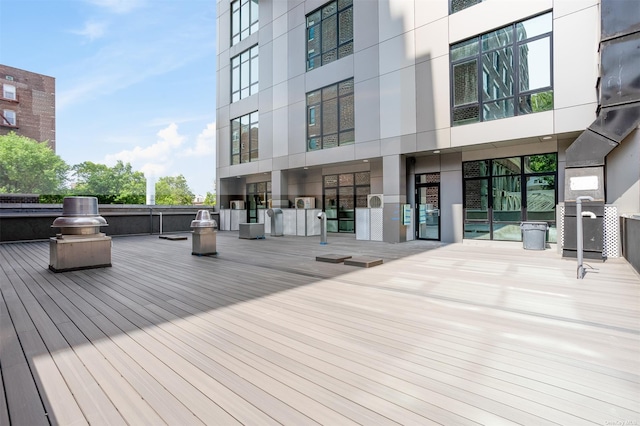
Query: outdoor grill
(80,244)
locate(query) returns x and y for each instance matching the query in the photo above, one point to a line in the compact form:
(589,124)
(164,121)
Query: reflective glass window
(513,64)
(331,116)
(244,19)
(245,74)
(244,139)
(329,33)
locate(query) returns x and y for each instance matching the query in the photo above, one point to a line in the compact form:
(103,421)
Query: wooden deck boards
(264,334)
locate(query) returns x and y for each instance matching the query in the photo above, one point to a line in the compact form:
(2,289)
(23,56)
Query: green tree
(210,199)
(30,167)
(541,163)
(111,185)
(542,101)
(173,190)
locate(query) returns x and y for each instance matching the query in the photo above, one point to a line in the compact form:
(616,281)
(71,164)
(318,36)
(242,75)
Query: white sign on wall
(583,183)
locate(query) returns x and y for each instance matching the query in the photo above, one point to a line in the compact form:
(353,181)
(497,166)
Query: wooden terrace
(472,333)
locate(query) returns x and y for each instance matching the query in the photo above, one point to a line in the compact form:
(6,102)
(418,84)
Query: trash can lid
(206,223)
(534,225)
(203,220)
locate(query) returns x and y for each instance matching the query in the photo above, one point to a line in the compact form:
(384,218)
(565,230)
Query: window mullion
(516,72)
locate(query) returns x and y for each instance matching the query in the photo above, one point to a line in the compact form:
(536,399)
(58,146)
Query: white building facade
(418,119)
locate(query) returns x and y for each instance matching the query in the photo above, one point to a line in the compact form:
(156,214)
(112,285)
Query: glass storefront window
(473,169)
(342,194)
(501,193)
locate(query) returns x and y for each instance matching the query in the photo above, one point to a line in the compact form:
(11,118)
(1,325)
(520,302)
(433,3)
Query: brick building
(27,104)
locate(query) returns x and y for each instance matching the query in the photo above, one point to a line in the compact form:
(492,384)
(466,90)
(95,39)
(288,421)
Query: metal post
(323,227)
(579,236)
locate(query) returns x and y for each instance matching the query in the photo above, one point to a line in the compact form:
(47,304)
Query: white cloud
(205,143)
(153,170)
(92,30)
(157,157)
(118,6)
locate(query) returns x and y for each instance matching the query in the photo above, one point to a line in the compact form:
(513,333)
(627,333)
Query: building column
(394,184)
(279,189)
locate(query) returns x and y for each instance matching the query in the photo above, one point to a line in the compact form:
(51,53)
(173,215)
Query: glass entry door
(428,206)
(258,198)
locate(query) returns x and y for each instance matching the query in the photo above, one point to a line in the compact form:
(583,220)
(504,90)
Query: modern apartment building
(437,119)
(27,105)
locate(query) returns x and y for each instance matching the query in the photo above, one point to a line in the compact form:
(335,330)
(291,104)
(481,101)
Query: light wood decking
(263,334)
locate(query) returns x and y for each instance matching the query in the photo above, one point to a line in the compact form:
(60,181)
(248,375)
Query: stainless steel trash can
(277,222)
(203,240)
(534,235)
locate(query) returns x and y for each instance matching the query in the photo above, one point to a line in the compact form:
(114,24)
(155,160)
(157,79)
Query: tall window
(503,73)
(9,118)
(329,33)
(258,198)
(244,139)
(343,193)
(244,74)
(330,116)
(9,92)
(501,193)
(458,5)
(244,19)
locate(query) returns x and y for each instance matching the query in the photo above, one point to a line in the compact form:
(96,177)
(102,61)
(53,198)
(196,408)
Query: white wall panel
(575,58)
(395,17)
(524,126)
(367,110)
(397,52)
(280,132)
(431,40)
(492,14)
(398,103)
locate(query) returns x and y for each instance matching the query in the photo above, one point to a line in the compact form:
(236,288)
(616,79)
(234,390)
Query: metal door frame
(417,209)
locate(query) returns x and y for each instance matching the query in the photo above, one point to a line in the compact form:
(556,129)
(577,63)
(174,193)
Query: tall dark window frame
(245,139)
(329,33)
(342,193)
(504,52)
(244,19)
(331,116)
(258,198)
(489,172)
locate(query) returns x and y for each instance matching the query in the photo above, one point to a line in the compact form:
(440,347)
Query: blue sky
(135,79)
